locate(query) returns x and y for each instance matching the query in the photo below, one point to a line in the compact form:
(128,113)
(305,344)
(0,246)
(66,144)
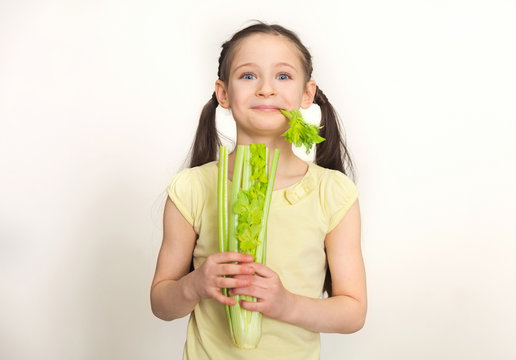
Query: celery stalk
(246,185)
(222,204)
(243,225)
(222,214)
(235,311)
(266,207)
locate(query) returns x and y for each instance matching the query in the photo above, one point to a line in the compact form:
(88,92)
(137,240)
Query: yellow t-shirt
(299,219)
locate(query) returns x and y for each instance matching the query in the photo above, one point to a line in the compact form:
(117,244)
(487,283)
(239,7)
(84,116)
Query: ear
(308,94)
(222,94)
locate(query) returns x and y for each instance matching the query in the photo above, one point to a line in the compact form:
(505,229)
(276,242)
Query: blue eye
(283,76)
(248,76)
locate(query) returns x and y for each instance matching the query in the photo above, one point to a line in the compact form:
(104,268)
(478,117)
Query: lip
(266,108)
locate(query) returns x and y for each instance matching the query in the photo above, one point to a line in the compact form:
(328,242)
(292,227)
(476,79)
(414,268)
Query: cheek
(291,89)
(236,93)
(293,95)
(241,96)
(235,99)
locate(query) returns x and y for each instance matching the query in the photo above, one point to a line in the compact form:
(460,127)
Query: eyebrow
(275,65)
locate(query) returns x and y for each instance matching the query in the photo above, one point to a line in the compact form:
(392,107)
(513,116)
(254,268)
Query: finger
(254,291)
(223,299)
(246,276)
(226,257)
(251,305)
(234,269)
(262,270)
(255,280)
(230,283)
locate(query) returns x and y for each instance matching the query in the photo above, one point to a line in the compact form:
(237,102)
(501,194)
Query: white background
(99,101)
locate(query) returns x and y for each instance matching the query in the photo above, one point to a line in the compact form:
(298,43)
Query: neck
(272,142)
(289,164)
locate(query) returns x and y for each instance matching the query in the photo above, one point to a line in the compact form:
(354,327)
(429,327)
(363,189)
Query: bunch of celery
(245,230)
(242,223)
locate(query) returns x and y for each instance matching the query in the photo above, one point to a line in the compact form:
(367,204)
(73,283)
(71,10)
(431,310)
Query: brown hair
(331,153)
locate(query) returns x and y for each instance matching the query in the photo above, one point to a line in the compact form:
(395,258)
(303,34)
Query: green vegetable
(242,225)
(301,133)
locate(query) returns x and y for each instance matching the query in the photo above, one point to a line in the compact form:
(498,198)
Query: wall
(98,105)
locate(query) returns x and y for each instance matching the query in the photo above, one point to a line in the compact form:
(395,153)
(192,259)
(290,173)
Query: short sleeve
(339,194)
(186,192)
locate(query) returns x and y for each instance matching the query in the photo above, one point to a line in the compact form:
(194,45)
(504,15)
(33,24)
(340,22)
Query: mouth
(266,108)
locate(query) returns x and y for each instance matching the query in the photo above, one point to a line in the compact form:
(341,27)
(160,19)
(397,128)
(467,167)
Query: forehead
(266,48)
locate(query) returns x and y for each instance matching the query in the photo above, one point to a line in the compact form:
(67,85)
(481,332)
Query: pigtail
(207,139)
(332,153)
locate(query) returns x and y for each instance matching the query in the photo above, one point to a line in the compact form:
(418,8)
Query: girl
(314,222)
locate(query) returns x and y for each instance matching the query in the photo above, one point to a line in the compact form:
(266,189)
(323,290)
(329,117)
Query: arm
(175,290)
(345,311)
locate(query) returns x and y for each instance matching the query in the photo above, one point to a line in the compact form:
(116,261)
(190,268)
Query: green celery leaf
(300,132)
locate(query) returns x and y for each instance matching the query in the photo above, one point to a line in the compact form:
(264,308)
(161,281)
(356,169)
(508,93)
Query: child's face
(266,75)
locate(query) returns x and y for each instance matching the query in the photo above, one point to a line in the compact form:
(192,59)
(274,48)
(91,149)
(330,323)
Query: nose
(265,89)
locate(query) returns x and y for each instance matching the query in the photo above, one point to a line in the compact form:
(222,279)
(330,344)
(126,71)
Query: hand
(209,278)
(273,300)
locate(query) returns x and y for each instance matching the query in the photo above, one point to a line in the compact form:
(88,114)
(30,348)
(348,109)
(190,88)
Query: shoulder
(195,176)
(337,193)
(189,187)
(332,180)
